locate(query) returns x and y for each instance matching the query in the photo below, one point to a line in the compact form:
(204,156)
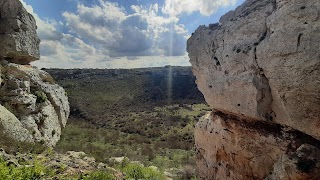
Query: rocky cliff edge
(33,108)
(258,69)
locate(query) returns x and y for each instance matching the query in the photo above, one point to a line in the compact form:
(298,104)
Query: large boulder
(19,40)
(229,147)
(32,96)
(33,108)
(260,64)
(11,128)
(262,61)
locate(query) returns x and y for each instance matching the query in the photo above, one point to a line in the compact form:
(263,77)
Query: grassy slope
(131,113)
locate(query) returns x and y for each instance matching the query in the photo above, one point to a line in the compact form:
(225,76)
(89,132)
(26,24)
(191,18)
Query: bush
(136,171)
(35,171)
(99,175)
(41,96)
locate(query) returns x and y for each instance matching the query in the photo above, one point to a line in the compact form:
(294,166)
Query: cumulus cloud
(106,35)
(142,33)
(205,7)
(46,29)
(59,49)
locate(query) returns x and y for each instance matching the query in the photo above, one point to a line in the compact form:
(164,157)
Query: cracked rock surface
(19,39)
(36,104)
(33,108)
(260,63)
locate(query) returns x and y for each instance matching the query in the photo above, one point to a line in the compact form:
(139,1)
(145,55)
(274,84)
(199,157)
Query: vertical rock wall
(33,108)
(259,70)
(19,40)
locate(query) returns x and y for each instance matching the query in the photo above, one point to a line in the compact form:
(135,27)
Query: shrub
(41,96)
(36,171)
(136,171)
(99,175)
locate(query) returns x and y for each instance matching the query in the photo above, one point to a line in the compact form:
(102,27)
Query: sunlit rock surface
(261,65)
(33,108)
(19,39)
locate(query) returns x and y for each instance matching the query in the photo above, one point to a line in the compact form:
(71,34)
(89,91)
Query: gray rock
(12,128)
(263,62)
(40,105)
(33,107)
(19,40)
(259,70)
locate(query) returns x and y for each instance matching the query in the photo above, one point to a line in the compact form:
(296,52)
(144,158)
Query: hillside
(147,115)
(98,95)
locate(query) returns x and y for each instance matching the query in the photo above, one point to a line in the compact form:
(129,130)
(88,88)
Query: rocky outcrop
(19,40)
(230,147)
(71,164)
(259,71)
(35,102)
(33,107)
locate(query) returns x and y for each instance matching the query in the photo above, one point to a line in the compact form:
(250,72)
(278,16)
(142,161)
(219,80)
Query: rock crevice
(33,107)
(19,40)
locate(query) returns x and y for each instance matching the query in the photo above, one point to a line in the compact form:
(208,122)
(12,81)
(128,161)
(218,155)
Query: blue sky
(120,33)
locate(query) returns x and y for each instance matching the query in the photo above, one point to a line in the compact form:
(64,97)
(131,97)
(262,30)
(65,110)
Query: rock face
(33,108)
(259,70)
(19,40)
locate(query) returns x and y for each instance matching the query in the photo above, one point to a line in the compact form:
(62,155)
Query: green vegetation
(97,175)
(34,171)
(41,96)
(37,170)
(136,171)
(162,138)
(136,113)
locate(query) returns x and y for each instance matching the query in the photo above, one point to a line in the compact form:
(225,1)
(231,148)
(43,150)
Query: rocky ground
(78,165)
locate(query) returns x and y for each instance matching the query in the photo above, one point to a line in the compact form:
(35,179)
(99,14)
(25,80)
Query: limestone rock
(229,147)
(19,40)
(263,62)
(12,128)
(33,108)
(259,70)
(38,105)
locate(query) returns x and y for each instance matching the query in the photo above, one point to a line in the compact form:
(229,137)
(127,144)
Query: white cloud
(46,29)
(62,50)
(119,63)
(141,33)
(205,7)
(106,36)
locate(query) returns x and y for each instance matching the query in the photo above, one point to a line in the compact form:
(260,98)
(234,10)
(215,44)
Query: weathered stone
(263,62)
(40,105)
(259,71)
(12,128)
(290,59)
(19,40)
(229,147)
